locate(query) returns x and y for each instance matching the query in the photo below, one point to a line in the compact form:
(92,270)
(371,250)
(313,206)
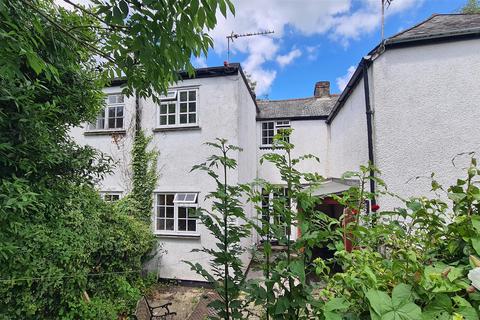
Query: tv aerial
(234,35)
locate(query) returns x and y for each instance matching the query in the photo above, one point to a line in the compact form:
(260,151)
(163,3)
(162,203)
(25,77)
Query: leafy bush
(60,244)
(428,247)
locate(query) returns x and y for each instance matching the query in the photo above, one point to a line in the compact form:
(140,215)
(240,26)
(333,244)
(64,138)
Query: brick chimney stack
(322,89)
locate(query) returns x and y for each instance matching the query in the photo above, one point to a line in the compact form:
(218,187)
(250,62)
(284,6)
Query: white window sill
(177,235)
(104,132)
(176,128)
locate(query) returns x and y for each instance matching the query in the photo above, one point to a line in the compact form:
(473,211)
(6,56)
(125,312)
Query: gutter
(365,63)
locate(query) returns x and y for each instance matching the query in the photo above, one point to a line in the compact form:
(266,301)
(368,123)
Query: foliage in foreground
(226,222)
(415,262)
(64,253)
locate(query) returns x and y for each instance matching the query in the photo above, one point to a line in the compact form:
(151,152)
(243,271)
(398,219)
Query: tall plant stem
(225,231)
(289,231)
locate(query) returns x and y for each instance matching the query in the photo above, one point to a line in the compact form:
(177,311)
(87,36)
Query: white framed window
(272,128)
(178,109)
(176,213)
(267,206)
(110,196)
(112,116)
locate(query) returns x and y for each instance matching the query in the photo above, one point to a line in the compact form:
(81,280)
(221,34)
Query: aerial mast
(388,2)
(234,35)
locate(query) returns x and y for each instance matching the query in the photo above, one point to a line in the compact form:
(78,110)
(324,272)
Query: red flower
(354,211)
(375,207)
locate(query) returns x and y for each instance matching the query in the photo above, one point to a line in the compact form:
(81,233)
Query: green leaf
(298,268)
(380,302)
(401,294)
(476,244)
(124,8)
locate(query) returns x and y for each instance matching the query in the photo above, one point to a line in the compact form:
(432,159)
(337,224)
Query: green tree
(472,6)
(227,223)
(64,253)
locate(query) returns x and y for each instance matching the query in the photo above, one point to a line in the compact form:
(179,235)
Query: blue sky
(314,39)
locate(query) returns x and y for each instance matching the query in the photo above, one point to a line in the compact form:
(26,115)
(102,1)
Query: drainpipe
(366,61)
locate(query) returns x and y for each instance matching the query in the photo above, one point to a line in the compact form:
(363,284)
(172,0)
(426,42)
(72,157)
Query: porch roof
(334,186)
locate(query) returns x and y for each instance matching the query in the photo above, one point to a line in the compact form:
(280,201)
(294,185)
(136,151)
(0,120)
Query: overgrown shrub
(60,244)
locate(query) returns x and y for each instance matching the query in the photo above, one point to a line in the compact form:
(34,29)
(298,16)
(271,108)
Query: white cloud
(343,80)
(286,59)
(340,20)
(199,62)
(312,52)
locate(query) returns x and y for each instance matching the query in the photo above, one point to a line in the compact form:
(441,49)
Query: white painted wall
(309,137)
(427,107)
(347,136)
(224,111)
(119,180)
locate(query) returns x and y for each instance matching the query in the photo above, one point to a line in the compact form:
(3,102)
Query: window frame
(175,98)
(105,113)
(176,206)
(267,204)
(277,125)
(111,193)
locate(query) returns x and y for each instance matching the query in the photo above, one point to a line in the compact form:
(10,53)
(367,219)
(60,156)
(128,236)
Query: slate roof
(296,109)
(440,25)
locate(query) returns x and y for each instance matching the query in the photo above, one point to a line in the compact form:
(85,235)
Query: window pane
(183,96)
(111,112)
(182,225)
(192,118)
(182,212)
(192,95)
(190,197)
(161,199)
(171,119)
(119,123)
(183,107)
(160,224)
(183,118)
(192,213)
(163,120)
(169,224)
(192,225)
(111,123)
(119,111)
(171,108)
(192,106)
(270,125)
(170,199)
(161,212)
(170,211)
(100,123)
(163,109)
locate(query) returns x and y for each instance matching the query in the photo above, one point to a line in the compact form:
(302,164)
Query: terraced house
(394,112)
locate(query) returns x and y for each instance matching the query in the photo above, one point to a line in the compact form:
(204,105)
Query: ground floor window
(110,196)
(176,212)
(268,199)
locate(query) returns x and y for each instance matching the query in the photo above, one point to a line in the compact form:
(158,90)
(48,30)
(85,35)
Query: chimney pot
(322,89)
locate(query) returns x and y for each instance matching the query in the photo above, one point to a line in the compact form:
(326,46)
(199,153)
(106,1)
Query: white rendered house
(412,104)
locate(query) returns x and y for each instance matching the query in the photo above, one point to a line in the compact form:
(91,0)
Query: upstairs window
(178,108)
(176,213)
(112,116)
(272,128)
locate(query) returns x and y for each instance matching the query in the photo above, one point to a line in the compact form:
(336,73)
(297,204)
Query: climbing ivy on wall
(144,180)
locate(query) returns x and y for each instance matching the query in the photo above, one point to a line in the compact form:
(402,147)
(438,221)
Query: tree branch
(59,27)
(94,15)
